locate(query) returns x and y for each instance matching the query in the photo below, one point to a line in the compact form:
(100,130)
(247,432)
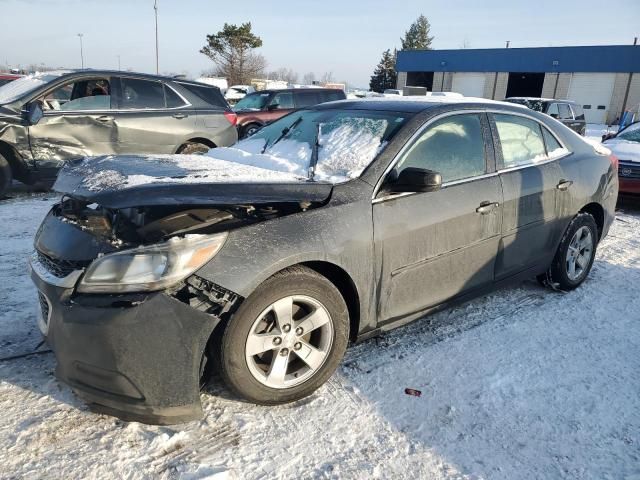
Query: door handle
(104,118)
(564,185)
(486,207)
(180,116)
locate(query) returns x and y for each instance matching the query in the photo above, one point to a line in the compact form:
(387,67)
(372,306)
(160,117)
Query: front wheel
(575,254)
(286,339)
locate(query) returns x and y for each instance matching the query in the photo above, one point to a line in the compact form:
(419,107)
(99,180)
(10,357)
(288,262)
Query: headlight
(151,267)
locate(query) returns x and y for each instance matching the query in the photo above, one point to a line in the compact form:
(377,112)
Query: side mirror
(34,113)
(413,179)
(273,106)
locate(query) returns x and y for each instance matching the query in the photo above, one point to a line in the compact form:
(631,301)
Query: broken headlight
(151,267)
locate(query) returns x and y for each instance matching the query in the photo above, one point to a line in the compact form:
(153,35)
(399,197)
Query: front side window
(80,95)
(578,113)
(252,102)
(452,146)
(520,139)
(141,94)
(565,112)
(553,110)
(282,101)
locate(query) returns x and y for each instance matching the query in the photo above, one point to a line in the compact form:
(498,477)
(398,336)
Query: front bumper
(135,356)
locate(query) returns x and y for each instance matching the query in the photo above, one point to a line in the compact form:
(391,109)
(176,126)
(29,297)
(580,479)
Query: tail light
(614,161)
(232,117)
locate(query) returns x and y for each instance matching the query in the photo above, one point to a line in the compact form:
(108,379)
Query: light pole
(119,63)
(81,52)
(155,8)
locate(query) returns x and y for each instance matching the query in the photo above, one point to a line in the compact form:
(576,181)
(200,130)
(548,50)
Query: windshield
(326,145)
(253,101)
(14,90)
(631,133)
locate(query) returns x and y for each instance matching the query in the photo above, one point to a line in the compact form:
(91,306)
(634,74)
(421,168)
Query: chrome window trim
(409,143)
(418,132)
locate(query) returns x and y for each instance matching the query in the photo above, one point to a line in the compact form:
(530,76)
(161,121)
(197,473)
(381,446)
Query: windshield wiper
(314,153)
(284,133)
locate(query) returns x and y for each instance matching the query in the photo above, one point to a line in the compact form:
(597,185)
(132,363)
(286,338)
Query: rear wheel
(575,255)
(194,148)
(286,339)
(250,129)
(6,175)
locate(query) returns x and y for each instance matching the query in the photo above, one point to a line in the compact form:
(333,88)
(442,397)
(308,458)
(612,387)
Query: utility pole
(508,42)
(119,63)
(155,8)
(80,35)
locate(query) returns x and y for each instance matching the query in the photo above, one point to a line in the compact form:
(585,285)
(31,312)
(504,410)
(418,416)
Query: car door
(531,181)
(151,117)
(566,116)
(76,122)
(435,245)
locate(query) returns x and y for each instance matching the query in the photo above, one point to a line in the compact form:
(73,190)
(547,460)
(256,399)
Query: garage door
(468,84)
(593,91)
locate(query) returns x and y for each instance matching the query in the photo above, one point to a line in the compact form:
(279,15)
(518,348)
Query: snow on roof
(448,99)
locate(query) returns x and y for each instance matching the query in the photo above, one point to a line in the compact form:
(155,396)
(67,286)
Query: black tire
(232,362)
(6,176)
(194,148)
(558,276)
(250,129)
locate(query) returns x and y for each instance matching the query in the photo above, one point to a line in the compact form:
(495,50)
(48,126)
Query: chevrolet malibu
(264,260)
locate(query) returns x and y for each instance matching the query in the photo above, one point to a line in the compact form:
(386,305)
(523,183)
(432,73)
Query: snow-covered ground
(522,383)
(595,131)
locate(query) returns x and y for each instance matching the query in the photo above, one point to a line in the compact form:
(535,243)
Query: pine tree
(384,76)
(417,37)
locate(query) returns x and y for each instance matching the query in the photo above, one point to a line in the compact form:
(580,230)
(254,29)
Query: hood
(624,149)
(136,180)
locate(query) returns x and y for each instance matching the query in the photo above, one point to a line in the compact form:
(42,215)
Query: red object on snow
(413,392)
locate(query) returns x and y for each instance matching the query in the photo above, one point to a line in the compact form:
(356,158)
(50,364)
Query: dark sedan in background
(49,118)
(331,224)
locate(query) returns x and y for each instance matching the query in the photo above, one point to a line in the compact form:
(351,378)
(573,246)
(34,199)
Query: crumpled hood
(137,180)
(624,149)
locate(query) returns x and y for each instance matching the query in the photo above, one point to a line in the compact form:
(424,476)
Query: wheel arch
(597,212)
(204,141)
(19,168)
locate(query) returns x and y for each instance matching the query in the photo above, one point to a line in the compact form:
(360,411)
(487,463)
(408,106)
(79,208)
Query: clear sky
(343,37)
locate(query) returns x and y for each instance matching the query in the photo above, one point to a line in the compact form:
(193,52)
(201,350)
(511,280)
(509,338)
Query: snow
(522,383)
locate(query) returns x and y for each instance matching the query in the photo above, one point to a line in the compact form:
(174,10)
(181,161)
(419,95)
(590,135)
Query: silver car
(49,118)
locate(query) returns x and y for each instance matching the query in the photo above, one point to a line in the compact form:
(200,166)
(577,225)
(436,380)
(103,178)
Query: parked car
(49,118)
(567,111)
(392,92)
(626,146)
(330,225)
(8,77)
(260,108)
(236,93)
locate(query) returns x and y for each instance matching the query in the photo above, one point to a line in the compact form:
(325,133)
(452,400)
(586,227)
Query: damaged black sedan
(262,261)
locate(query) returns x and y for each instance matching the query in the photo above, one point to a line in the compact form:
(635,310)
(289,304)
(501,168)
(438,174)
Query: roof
(409,104)
(539,99)
(599,58)
(308,89)
(123,73)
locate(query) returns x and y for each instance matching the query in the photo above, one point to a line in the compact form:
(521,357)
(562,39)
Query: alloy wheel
(289,342)
(579,253)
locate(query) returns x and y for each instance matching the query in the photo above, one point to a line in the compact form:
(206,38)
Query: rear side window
(282,101)
(210,95)
(172,98)
(452,146)
(565,112)
(520,139)
(141,94)
(553,146)
(307,99)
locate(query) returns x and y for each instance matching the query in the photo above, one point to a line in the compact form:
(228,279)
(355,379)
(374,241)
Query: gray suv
(566,111)
(49,118)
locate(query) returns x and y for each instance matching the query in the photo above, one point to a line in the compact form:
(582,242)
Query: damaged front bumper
(135,356)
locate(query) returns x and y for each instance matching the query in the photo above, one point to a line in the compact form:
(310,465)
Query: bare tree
(327,77)
(309,78)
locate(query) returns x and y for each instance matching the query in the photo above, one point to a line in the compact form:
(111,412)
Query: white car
(626,146)
(238,92)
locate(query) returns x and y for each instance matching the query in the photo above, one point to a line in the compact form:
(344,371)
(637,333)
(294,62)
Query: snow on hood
(12,91)
(624,149)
